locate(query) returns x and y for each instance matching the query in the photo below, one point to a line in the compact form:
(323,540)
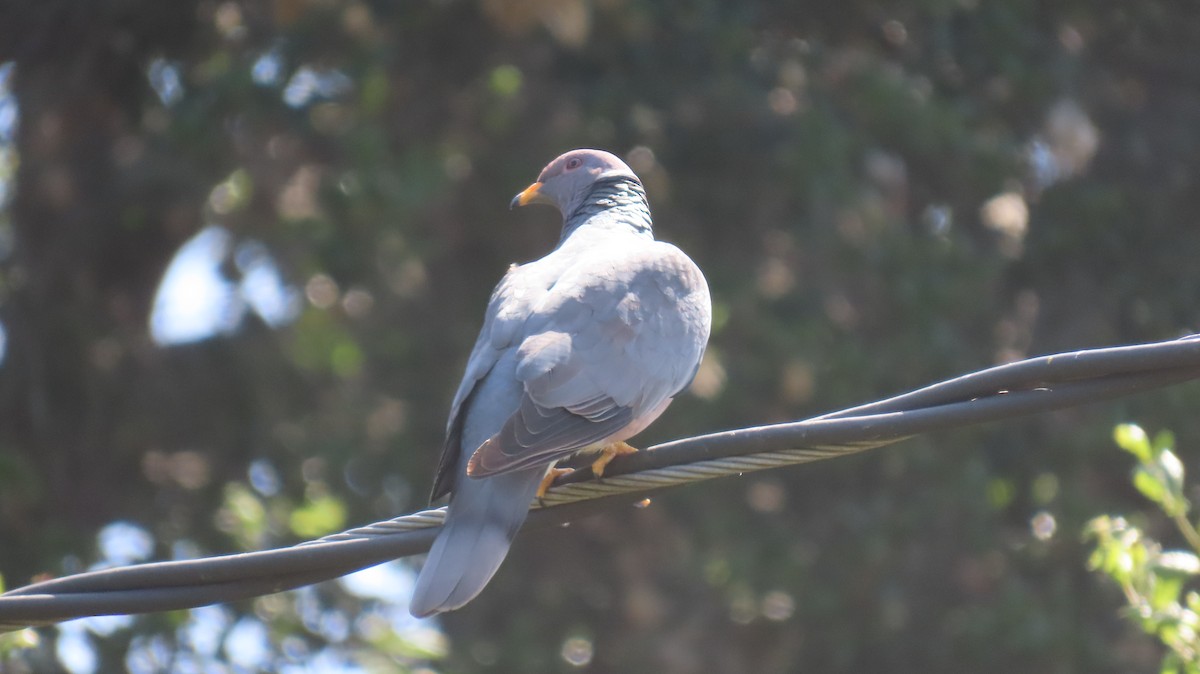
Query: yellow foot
(609,453)
(551,475)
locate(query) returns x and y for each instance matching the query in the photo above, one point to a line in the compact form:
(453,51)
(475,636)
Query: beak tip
(527,196)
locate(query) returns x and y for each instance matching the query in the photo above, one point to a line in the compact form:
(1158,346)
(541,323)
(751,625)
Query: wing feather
(495,337)
(563,433)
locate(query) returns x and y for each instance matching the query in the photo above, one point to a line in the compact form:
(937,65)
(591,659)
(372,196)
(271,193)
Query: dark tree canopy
(881,195)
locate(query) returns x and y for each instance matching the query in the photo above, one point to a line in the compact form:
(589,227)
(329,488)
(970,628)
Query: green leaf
(242,515)
(1164,440)
(1131,438)
(1150,484)
(1164,595)
(505,81)
(1000,493)
(17,641)
(1171,469)
(233,194)
(375,89)
(1192,601)
(346,359)
(1171,665)
(320,516)
(1120,552)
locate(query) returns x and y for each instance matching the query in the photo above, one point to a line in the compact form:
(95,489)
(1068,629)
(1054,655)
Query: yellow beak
(530,195)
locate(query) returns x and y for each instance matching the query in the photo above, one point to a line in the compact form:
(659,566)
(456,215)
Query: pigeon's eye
(574,163)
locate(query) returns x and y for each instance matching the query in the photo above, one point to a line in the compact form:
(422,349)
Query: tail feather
(483,517)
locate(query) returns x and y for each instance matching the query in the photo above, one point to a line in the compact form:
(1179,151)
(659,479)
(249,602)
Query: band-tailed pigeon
(579,351)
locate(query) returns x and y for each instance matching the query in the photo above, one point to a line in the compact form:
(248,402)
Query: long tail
(483,517)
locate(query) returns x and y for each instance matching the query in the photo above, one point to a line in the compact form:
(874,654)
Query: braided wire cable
(998,393)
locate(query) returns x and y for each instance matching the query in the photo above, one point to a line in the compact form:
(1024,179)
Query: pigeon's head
(567,180)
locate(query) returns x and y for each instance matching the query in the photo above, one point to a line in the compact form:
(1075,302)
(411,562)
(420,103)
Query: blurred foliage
(1154,580)
(881,196)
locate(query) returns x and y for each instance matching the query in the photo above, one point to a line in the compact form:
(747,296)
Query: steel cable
(1002,392)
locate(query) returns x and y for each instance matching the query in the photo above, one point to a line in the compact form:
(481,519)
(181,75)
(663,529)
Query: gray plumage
(580,349)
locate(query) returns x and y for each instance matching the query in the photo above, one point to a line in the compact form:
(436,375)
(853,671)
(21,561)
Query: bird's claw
(551,475)
(609,453)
